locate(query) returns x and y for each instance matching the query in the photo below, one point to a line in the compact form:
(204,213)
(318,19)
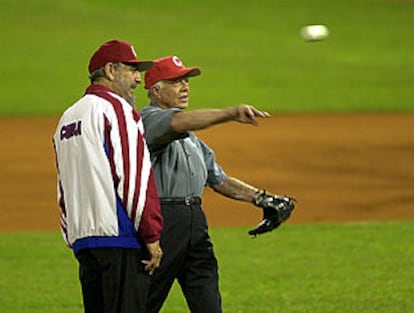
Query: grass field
(250,51)
(348,268)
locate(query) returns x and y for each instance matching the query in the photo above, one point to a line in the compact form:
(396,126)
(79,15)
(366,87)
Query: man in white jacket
(110,212)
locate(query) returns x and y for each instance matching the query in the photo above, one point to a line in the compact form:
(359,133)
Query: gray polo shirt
(182,163)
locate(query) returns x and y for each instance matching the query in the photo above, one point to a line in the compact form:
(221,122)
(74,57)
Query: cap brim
(141,65)
(193,71)
(144,65)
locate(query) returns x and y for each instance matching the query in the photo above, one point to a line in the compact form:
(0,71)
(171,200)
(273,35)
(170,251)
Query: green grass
(249,51)
(356,267)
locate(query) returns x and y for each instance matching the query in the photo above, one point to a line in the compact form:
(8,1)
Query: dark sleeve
(157,124)
(215,173)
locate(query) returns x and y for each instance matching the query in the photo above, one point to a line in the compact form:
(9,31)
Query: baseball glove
(276,210)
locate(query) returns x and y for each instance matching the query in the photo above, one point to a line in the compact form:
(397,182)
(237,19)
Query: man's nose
(184,84)
(138,78)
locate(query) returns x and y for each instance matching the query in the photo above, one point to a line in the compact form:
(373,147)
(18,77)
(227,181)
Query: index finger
(151,265)
(260,113)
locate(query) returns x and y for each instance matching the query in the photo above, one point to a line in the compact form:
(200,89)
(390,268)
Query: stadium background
(339,139)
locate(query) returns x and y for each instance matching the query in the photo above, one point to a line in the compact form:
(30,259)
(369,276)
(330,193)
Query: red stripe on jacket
(151,222)
(123,133)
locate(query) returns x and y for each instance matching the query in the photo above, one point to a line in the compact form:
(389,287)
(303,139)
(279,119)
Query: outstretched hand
(247,114)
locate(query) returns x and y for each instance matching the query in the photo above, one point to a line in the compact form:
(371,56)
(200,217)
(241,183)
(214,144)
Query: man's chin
(182,104)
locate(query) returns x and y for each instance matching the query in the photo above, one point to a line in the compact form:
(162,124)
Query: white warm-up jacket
(106,187)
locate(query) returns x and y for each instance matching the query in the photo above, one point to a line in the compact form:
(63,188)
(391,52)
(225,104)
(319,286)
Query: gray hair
(100,73)
(157,85)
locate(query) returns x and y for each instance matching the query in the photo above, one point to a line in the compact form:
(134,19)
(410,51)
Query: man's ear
(109,70)
(155,90)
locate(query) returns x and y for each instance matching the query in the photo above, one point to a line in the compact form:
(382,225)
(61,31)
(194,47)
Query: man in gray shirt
(183,166)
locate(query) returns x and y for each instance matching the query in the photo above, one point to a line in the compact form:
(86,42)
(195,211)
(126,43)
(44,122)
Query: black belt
(181,200)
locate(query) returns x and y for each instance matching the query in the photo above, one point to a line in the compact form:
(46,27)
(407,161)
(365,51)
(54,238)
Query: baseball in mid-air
(314,32)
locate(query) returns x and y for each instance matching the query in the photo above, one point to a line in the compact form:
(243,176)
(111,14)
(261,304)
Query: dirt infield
(339,167)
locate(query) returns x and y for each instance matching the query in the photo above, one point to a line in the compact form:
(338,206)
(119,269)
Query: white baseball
(314,32)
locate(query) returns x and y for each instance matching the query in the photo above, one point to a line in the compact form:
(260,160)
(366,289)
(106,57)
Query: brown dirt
(339,167)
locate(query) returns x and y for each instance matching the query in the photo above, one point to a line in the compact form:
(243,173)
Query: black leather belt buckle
(192,200)
(182,201)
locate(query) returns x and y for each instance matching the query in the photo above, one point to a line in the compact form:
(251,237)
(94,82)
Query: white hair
(158,85)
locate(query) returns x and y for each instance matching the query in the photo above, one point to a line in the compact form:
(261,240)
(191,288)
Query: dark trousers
(189,258)
(113,280)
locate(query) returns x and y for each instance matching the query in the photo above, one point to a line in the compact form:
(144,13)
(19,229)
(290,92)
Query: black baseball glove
(276,210)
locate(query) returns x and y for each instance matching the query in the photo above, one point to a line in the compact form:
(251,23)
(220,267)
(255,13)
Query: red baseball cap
(166,68)
(116,51)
